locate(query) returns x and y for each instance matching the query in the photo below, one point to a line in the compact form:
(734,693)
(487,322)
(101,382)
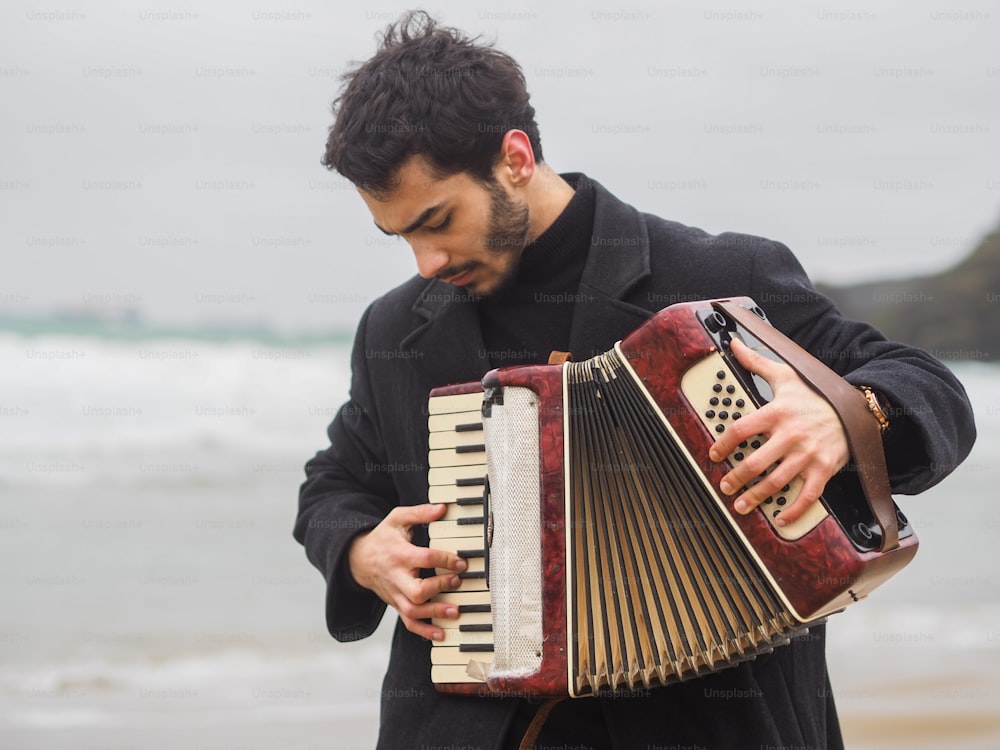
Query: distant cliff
(954,314)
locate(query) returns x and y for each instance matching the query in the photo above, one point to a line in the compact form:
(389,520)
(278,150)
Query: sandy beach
(915,730)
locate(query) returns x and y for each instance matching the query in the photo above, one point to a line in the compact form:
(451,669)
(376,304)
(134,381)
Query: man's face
(461,231)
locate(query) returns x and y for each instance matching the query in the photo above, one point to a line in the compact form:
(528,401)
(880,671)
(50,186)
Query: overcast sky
(165,158)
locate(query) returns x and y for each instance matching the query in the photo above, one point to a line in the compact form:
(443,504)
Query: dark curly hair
(433,91)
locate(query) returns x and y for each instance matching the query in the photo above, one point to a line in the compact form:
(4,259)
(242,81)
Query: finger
(409,597)
(776,481)
(414,617)
(410,558)
(423,610)
(812,488)
(414,515)
(424,629)
(432,611)
(753,496)
(759,364)
(441,560)
(736,432)
(419,590)
(754,466)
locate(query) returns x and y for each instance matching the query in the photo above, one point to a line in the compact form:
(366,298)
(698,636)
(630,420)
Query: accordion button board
(457,477)
(720,400)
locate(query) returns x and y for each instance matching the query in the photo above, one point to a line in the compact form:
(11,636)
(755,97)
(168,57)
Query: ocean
(153,596)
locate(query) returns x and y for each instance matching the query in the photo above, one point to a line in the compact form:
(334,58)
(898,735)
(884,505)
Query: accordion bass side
(602,554)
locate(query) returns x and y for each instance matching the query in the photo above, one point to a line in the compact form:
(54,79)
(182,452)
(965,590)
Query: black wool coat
(425,334)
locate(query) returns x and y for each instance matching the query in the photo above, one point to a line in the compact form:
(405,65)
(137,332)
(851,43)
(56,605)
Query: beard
(505,240)
(507,236)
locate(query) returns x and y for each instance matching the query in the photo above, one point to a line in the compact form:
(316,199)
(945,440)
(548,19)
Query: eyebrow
(426,214)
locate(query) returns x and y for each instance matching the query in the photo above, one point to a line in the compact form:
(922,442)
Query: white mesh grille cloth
(511,435)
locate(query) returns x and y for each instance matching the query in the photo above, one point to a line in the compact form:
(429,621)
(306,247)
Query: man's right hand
(385,561)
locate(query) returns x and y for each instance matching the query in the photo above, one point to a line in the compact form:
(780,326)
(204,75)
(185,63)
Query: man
(515,260)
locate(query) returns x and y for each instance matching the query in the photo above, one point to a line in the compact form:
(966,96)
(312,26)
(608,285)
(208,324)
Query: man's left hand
(803,433)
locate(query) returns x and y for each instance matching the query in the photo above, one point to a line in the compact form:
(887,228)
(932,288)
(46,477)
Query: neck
(547,195)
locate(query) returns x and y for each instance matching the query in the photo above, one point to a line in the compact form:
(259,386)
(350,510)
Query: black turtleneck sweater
(524,323)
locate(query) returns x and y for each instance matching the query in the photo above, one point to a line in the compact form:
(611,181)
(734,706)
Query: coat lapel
(448,345)
(617,262)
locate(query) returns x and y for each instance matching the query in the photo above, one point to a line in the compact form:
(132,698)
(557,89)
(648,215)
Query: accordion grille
(662,588)
(515,575)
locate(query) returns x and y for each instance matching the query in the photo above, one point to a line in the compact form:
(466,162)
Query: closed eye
(442,226)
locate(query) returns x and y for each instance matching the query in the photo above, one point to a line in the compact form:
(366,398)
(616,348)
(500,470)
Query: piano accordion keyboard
(457,477)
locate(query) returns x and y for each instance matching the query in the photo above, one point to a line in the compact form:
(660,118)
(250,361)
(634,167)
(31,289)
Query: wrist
(356,558)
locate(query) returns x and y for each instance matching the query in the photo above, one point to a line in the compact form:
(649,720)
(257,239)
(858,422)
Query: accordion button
(737,415)
(717,388)
(755,444)
(740,403)
(721,374)
(710,414)
(727,402)
(723,415)
(713,401)
(781,501)
(730,389)
(720,428)
(738,456)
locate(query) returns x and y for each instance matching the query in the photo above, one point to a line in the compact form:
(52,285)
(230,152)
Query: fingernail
(461,564)
(456,582)
(726,486)
(714,455)
(437,635)
(741,506)
(451,612)
(779,521)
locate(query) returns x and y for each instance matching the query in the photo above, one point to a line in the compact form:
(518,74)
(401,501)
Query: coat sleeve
(931,421)
(346,494)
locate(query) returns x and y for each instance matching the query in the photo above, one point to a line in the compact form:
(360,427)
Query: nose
(430,260)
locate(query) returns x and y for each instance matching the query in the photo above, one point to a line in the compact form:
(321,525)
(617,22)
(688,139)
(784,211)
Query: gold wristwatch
(877,406)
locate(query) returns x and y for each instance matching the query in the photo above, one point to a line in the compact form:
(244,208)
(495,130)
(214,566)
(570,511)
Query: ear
(517,159)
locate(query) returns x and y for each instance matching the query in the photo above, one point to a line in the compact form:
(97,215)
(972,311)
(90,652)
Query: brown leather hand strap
(864,439)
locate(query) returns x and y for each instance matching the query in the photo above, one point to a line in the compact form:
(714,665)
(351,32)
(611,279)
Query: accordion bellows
(603,556)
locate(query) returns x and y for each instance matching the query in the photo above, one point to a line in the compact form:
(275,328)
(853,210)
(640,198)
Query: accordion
(602,554)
